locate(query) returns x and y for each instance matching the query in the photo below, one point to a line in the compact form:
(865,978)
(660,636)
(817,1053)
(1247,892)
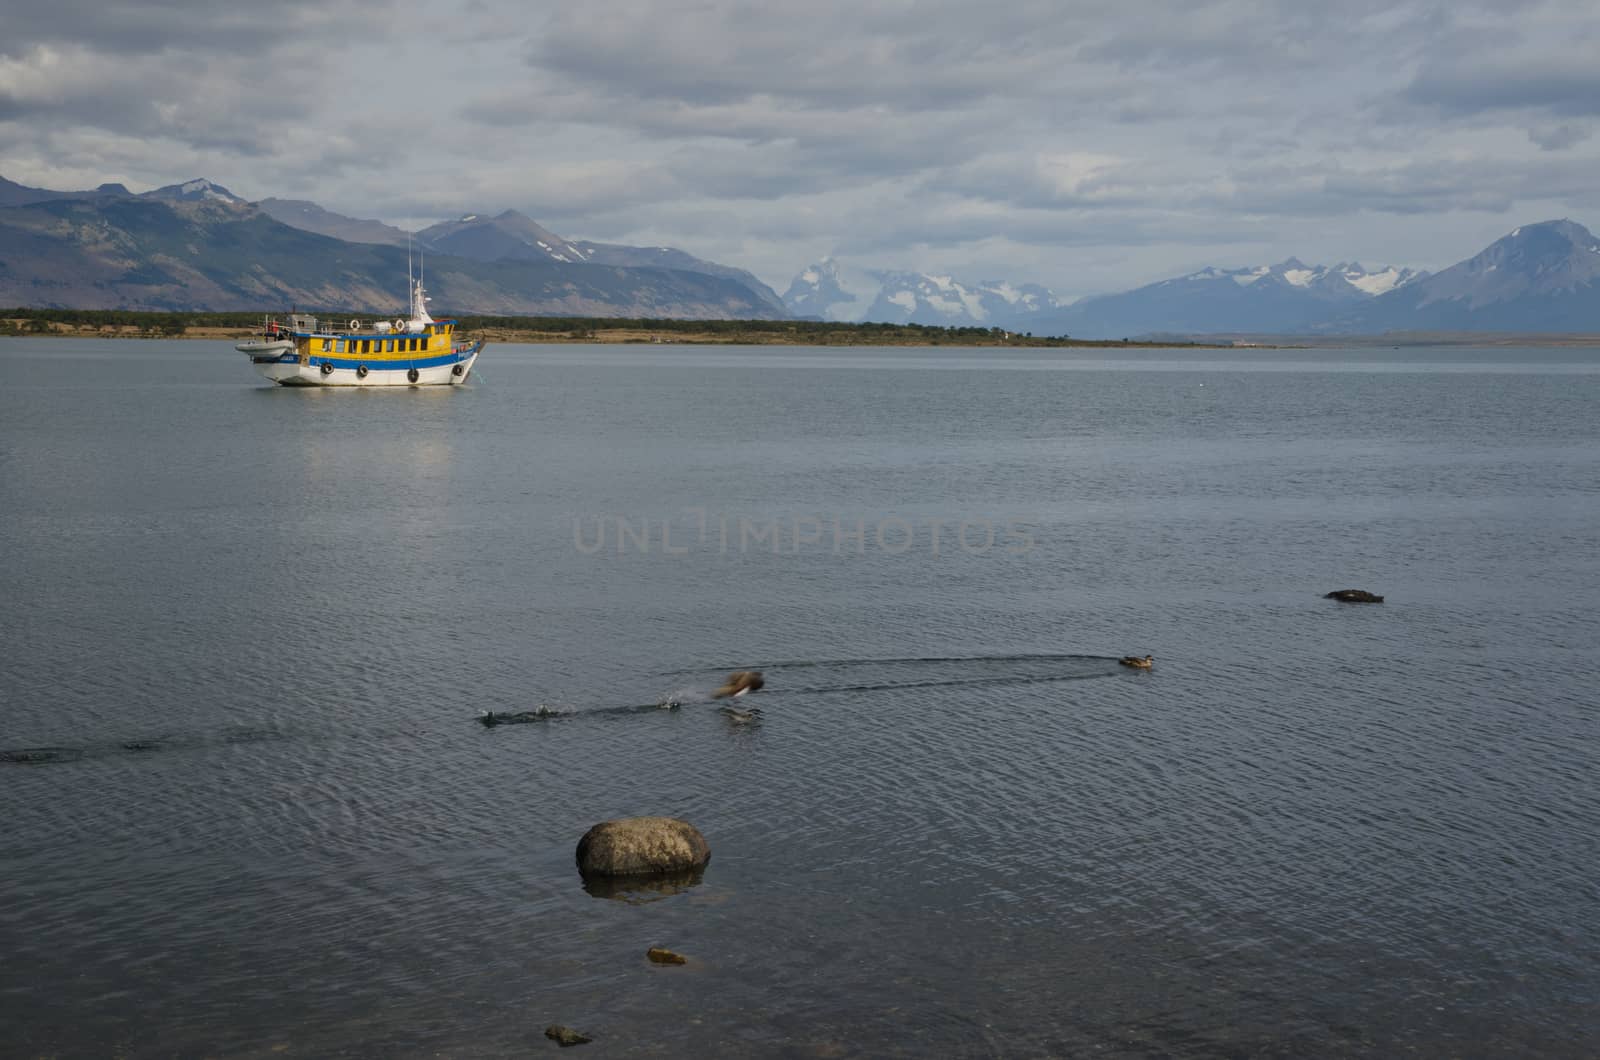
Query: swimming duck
(1136,662)
(1353,596)
(738,683)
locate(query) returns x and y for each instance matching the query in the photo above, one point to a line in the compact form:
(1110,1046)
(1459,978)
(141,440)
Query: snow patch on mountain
(1327,280)
(944,300)
(816,291)
(1382,281)
(198,190)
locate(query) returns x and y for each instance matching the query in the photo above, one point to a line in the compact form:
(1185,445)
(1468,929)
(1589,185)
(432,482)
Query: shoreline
(619,336)
(813,334)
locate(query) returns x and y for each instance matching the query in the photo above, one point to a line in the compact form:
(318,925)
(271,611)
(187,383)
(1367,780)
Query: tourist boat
(411,351)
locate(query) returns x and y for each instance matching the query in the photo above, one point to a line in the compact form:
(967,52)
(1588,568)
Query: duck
(1353,596)
(1136,662)
(738,683)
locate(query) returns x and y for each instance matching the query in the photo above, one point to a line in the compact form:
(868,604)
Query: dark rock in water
(658,955)
(565,1035)
(642,890)
(740,682)
(642,846)
(1354,596)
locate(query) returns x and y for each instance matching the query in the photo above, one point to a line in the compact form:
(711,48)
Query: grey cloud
(154,26)
(911,57)
(1567,87)
(908,133)
(1559,137)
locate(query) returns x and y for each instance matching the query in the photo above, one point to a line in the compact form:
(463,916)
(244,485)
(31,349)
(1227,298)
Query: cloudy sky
(1090,145)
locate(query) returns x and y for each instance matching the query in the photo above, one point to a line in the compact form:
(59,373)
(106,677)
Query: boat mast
(419,299)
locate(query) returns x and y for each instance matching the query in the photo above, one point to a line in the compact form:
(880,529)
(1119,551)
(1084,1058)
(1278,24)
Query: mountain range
(921,298)
(1288,297)
(197,246)
(1541,277)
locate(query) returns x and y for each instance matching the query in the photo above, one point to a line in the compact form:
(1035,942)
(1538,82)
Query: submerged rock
(565,1035)
(1354,596)
(658,955)
(642,846)
(739,682)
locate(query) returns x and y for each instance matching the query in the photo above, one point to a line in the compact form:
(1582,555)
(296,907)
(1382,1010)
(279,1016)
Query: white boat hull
(343,371)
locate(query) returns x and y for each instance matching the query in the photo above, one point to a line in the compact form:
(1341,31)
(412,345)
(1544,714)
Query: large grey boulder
(642,846)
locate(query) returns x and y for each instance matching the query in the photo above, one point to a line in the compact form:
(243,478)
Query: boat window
(366,345)
(327,344)
(338,346)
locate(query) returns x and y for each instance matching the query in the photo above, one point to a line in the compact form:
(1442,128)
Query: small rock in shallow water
(565,1035)
(1354,596)
(663,956)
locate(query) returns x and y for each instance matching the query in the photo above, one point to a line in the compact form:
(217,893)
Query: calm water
(246,634)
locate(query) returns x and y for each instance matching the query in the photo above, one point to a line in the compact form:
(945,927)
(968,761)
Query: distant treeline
(23,321)
(176,321)
(811,331)
(14,321)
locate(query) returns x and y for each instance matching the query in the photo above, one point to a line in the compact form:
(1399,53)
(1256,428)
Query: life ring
(399,325)
(327,367)
(361,371)
(355,325)
(456,369)
(413,375)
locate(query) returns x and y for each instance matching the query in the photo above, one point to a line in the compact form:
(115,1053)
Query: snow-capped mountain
(1286,297)
(921,298)
(1541,277)
(513,236)
(816,290)
(673,258)
(506,236)
(199,190)
(1346,280)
